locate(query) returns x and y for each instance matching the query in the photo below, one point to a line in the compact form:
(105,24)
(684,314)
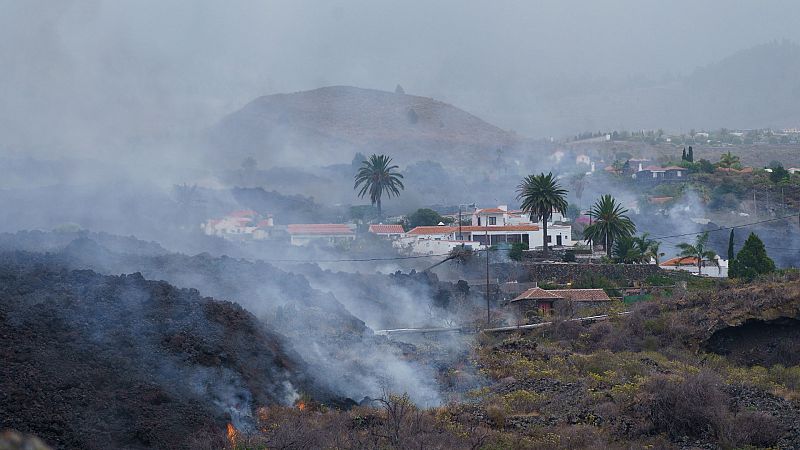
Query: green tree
(377,176)
(690,154)
(731,254)
(752,260)
(729,160)
(778,173)
(541,195)
(705,166)
(610,222)
(517,250)
(626,251)
(425,217)
(649,248)
(698,251)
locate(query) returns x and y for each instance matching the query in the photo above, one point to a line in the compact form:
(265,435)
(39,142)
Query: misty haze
(373,224)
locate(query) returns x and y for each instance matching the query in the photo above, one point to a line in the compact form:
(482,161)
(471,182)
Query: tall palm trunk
(544,227)
(380,211)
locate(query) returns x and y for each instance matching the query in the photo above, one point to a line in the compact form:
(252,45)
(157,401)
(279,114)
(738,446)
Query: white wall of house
(305,239)
(414,246)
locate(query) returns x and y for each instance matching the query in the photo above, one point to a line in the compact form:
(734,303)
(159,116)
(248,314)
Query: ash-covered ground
(145,360)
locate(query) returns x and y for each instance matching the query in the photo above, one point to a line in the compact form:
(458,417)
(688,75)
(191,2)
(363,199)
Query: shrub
(517,251)
(497,413)
(694,406)
(522,401)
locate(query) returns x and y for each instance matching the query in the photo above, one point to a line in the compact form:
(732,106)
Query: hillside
(751,88)
(335,122)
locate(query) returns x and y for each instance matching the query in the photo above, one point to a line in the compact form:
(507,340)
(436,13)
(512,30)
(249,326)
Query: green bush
(517,251)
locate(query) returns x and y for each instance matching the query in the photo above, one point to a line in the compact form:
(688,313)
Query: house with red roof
(302,234)
(542,302)
(689,264)
(387,231)
(240,225)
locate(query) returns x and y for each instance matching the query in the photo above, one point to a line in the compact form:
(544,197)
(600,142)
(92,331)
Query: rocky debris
(786,412)
(93,361)
(734,306)
(341,353)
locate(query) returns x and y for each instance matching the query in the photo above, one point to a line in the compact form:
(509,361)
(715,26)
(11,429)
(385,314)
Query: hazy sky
(73,73)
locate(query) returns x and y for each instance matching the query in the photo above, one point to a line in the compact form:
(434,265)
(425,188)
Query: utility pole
(488,310)
(460,235)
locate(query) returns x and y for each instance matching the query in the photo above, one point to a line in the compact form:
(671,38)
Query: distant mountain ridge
(753,88)
(336,121)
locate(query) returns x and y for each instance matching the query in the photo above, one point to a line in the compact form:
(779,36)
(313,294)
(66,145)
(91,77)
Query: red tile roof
(679,261)
(478,229)
(320,228)
(583,295)
(492,211)
(660,200)
(386,229)
(243,213)
(537,293)
(575,295)
(438,229)
(731,169)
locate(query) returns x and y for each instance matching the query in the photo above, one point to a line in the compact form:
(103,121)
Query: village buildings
(488,227)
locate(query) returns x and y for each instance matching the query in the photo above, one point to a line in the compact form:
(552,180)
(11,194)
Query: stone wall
(568,272)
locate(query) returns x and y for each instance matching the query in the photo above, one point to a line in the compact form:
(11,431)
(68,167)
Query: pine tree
(752,260)
(731,257)
(683,156)
(731,254)
(690,155)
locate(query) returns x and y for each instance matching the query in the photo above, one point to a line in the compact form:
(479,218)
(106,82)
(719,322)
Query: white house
(388,231)
(690,265)
(332,233)
(494,226)
(244,224)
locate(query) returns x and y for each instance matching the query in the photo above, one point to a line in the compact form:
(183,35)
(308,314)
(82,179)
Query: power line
(725,228)
(396,258)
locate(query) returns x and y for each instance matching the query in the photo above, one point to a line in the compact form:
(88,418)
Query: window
(479,220)
(492,220)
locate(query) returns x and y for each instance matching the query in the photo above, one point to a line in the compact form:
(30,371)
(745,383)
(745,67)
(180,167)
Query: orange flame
(232,435)
(301,405)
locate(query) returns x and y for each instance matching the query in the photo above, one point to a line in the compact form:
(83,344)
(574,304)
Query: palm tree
(699,252)
(648,248)
(610,223)
(729,160)
(626,251)
(541,195)
(377,176)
